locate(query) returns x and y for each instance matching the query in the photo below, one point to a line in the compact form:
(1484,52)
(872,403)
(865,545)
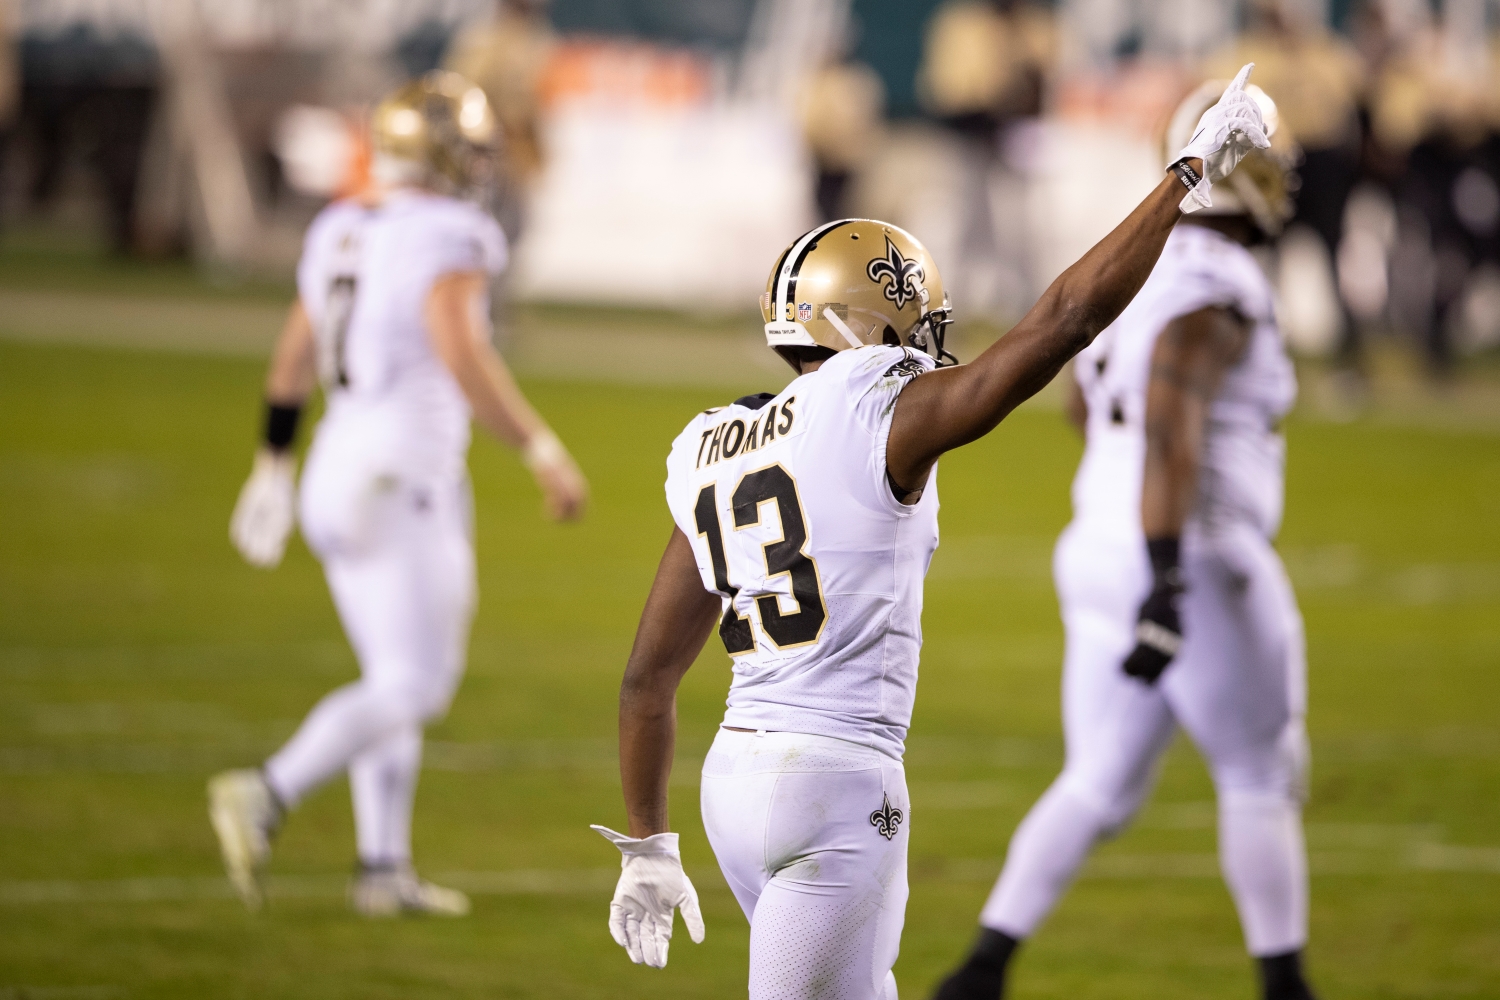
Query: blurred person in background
(1317,80)
(506,56)
(392,317)
(10,95)
(984,71)
(1434,117)
(804,794)
(1176,606)
(92,96)
(842,108)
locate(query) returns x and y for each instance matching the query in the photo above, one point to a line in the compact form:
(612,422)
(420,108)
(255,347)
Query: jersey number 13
(784,556)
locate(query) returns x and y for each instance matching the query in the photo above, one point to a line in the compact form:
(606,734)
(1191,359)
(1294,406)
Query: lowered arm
(674,626)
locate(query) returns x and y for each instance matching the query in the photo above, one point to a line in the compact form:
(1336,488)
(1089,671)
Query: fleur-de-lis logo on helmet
(906,276)
(886,820)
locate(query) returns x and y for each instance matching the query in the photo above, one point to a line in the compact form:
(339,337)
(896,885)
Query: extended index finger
(1240,78)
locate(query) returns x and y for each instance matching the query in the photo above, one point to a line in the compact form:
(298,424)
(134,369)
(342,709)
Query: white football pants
(402,577)
(1238,688)
(811,834)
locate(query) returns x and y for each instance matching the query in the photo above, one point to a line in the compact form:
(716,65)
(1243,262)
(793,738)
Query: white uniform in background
(792,519)
(1238,686)
(385,499)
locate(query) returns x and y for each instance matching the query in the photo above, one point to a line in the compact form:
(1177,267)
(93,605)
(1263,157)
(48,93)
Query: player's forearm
(648,737)
(293,373)
(667,643)
(498,403)
(1169,487)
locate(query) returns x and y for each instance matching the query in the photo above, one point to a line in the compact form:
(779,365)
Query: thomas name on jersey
(733,437)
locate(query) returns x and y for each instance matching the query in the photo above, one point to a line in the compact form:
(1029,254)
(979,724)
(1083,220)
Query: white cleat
(245,815)
(392,892)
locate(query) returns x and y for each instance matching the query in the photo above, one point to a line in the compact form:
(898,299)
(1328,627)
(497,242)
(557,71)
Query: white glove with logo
(652,884)
(1225,133)
(263,515)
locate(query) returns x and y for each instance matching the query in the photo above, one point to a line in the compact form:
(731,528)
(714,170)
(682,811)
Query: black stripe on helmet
(812,244)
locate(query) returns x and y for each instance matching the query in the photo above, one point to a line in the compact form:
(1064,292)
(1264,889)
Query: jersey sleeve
(466,239)
(679,467)
(873,378)
(1227,277)
(312,266)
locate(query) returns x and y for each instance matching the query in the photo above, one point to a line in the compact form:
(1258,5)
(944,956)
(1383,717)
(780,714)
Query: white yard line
(565,882)
(1417,857)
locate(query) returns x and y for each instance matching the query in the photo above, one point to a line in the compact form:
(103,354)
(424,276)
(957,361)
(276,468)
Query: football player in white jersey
(805,522)
(1176,607)
(392,314)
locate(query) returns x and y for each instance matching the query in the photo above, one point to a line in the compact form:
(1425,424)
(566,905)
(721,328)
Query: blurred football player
(391,315)
(1176,607)
(805,522)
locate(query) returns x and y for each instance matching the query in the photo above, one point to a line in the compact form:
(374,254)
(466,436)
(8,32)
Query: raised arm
(1187,365)
(953,406)
(458,325)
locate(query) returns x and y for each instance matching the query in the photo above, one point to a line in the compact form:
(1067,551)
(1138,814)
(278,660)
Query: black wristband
(281,425)
(1190,178)
(1165,556)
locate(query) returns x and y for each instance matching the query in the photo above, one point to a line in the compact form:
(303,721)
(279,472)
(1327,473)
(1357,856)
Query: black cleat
(982,976)
(1281,977)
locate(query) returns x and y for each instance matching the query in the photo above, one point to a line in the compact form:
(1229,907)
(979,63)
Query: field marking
(524,882)
(600,755)
(1421,859)
(1417,858)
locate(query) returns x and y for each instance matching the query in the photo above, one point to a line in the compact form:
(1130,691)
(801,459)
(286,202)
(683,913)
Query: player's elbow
(1069,315)
(648,690)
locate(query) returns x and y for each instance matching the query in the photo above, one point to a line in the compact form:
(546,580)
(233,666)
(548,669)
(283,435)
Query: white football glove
(263,515)
(1225,133)
(652,884)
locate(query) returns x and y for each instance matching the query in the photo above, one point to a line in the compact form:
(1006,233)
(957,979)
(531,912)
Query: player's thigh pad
(1238,686)
(1115,726)
(811,833)
(407,601)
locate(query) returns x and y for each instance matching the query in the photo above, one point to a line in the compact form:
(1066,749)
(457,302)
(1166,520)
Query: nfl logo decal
(804,311)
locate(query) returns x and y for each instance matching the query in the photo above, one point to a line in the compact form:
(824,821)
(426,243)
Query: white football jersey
(793,522)
(364,278)
(1242,469)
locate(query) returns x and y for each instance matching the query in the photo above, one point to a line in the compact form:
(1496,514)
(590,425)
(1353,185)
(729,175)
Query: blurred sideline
(653,347)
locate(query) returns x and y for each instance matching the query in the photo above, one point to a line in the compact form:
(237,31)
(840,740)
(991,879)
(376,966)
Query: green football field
(138,655)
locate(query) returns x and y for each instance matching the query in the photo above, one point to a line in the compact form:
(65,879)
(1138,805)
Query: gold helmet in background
(1265,180)
(437,130)
(853,283)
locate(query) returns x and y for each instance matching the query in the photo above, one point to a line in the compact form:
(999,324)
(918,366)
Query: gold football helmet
(437,130)
(1265,180)
(853,283)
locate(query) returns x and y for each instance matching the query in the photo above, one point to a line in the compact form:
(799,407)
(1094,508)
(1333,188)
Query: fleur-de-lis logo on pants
(886,820)
(906,276)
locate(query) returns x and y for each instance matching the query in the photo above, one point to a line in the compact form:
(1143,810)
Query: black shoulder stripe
(755,402)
